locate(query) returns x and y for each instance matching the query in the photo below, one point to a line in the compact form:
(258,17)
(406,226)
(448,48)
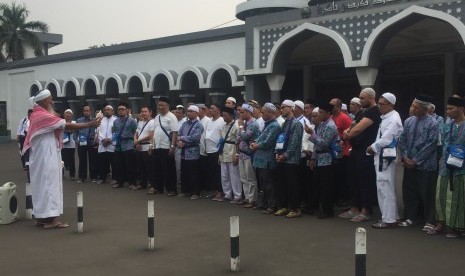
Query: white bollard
(360,251)
(234,235)
(80,212)
(151,224)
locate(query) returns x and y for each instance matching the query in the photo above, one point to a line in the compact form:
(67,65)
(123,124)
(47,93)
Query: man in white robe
(389,130)
(45,140)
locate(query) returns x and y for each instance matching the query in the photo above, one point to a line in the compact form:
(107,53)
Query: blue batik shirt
(325,134)
(457,137)
(245,136)
(293,144)
(85,133)
(419,141)
(190,133)
(264,157)
(124,133)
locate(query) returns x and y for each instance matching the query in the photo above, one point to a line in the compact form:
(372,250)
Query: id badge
(82,140)
(454,161)
(65,139)
(390,153)
(114,139)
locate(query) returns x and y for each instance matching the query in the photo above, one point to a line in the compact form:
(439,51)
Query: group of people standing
(285,158)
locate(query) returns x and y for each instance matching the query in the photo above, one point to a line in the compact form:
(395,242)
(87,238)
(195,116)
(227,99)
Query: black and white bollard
(151,224)
(28,195)
(360,252)
(234,235)
(80,212)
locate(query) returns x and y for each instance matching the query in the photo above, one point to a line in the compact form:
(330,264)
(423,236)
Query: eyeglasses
(122,109)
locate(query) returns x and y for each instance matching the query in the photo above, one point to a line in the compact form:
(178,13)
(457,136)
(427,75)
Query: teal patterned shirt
(324,135)
(293,146)
(264,157)
(458,137)
(125,141)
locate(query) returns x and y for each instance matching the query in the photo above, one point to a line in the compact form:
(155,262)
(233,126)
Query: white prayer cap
(316,110)
(69,110)
(270,107)
(300,104)
(193,108)
(42,95)
(231,99)
(389,97)
(288,103)
(200,105)
(247,107)
(344,106)
(356,100)
(180,106)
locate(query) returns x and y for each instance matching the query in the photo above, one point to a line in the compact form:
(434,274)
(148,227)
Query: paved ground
(192,238)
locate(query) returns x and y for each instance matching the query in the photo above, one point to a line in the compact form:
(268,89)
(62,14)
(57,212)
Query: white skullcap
(109,106)
(44,94)
(344,106)
(300,104)
(231,99)
(193,108)
(289,103)
(180,106)
(69,110)
(356,100)
(270,107)
(316,110)
(200,105)
(389,97)
(247,107)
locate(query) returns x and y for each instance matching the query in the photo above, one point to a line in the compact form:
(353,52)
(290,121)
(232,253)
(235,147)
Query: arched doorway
(190,88)
(34,90)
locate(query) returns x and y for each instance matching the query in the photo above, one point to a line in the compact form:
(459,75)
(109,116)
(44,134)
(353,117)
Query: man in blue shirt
(86,149)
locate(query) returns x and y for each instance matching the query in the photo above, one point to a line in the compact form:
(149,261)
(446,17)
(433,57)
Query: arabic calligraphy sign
(340,6)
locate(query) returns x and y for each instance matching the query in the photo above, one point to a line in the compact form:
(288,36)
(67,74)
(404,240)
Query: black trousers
(190,176)
(88,156)
(67,155)
(363,184)
(213,172)
(419,189)
(267,179)
(125,165)
(205,182)
(144,168)
(305,180)
(164,169)
(342,187)
(325,180)
(288,186)
(21,145)
(106,161)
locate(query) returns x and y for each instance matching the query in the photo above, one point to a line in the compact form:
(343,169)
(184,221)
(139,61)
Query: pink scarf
(42,121)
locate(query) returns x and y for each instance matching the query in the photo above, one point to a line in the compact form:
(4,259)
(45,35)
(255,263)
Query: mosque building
(294,49)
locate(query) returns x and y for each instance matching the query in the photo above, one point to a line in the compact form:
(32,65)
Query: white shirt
(23,126)
(180,122)
(204,121)
(71,144)
(105,130)
(261,123)
(143,130)
(280,120)
(213,134)
(306,144)
(389,129)
(170,124)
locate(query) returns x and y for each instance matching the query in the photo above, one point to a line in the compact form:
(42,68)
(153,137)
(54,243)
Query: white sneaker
(194,197)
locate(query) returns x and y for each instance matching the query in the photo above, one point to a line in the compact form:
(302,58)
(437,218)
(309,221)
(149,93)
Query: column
(113,102)
(187,98)
(93,105)
(217,98)
(74,105)
(450,75)
(309,89)
(135,104)
(275,82)
(366,76)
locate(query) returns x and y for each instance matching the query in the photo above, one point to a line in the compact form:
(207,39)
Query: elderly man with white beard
(384,151)
(45,139)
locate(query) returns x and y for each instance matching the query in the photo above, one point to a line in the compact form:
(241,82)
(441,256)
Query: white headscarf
(44,94)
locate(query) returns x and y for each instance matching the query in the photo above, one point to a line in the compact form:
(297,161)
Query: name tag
(114,139)
(280,141)
(454,161)
(82,140)
(390,153)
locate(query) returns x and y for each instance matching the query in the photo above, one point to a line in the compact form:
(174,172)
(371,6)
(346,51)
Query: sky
(94,22)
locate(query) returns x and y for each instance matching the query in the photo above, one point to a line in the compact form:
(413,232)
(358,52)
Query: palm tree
(16,33)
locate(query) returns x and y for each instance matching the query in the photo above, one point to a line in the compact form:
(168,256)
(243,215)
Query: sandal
(406,223)
(348,215)
(56,225)
(428,227)
(384,225)
(360,218)
(452,235)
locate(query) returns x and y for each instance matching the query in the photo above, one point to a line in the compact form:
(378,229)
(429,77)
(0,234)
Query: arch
(71,87)
(36,86)
(379,35)
(92,84)
(120,80)
(233,70)
(55,87)
(200,72)
(171,77)
(144,78)
(292,39)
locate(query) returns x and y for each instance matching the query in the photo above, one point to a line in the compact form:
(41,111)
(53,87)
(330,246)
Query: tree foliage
(16,32)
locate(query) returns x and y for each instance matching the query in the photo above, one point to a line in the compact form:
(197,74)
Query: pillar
(93,105)
(187,98)
(113,102)
(74,105)
(450,83)
(275,82)
(366,76)
(309,88)
(135,103)
(217,98)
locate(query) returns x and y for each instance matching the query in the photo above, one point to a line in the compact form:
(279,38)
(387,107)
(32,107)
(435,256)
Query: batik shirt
(419,142)
(190,133)
(293,145)
(246,136)
(264,157)
(458,137)
(325,134)
(88,133)
(127,126)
